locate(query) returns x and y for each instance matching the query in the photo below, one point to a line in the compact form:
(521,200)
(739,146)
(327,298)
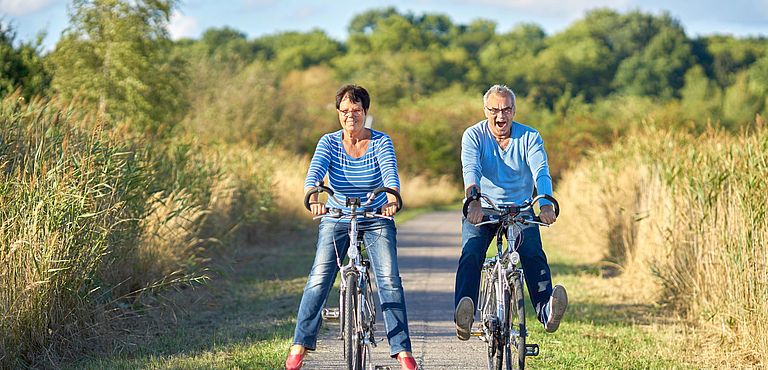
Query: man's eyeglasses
(353,112)
(496,111)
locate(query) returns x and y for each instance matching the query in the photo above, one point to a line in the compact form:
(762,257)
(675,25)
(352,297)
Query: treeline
(582,86)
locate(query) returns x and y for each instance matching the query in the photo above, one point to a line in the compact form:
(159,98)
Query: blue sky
(260,17)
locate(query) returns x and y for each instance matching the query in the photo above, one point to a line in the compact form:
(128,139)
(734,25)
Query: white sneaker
(558,303)
(464,316)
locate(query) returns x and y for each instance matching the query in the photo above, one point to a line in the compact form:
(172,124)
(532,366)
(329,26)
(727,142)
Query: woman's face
(351,115)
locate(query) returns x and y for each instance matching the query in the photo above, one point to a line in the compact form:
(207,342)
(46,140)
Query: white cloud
(182,26)
(22,7)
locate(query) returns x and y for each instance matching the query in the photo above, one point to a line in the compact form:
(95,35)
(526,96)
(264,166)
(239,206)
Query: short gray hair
(502,90)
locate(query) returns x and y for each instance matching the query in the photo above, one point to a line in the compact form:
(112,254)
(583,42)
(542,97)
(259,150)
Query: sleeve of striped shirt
(388,163)
(321,160)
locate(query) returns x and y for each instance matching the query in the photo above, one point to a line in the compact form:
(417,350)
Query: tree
(21,67)
(740,103)
(758,78)
(296,50)
(507,57)
(659,69)
(700,96)
(116,55)
(724,56)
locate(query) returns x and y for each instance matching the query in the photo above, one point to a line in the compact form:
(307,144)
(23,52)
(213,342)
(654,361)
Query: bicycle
(357,311)
(502,318)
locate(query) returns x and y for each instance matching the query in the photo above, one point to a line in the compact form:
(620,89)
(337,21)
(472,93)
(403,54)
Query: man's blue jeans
(379,236)
(475,243)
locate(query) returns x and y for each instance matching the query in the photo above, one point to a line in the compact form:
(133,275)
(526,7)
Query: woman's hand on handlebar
(390,208)
(318,208)
(547,214)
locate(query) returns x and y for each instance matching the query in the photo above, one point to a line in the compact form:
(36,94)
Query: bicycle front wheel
(515,350)
(351,337)
(492,321)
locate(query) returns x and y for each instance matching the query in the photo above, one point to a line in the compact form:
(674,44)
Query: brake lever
(527,221)
(330,212)
(374,215)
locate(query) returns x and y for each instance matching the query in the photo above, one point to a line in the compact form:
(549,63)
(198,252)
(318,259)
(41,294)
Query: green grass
(243,320)
(602,329)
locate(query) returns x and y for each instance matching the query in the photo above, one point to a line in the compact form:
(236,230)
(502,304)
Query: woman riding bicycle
(357,161)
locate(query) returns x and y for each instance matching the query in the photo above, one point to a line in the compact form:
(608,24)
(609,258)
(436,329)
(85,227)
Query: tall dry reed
(88,218)
(683,217)
(67,200)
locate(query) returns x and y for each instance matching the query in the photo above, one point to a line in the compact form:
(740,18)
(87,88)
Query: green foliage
(724,56)
(582,87)
(700,95)
(659,69)
(21,66)
(116,55)
(740,104)
(507,57)
(295,50)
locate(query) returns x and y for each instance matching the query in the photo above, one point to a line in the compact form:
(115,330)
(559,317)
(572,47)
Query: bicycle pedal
(532,349)
(330,313)
(476,332)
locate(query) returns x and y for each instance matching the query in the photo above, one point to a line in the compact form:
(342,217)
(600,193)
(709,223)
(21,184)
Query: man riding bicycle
(357,160)
(504,160)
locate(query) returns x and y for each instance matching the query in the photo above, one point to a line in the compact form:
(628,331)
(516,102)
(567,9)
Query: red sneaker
(294,362)
(407,363)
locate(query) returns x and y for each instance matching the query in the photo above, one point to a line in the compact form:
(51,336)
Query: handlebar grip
(385,189)
(319,188)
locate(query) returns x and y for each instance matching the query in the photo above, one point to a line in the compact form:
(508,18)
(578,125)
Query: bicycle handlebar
(320,188)
(514,210)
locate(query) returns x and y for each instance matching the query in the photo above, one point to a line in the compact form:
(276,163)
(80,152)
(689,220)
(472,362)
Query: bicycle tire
(367,319)
(501,333)
(516,348)
(490,312)
(350,337)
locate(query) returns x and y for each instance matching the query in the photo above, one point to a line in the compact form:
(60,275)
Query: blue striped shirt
(354,177)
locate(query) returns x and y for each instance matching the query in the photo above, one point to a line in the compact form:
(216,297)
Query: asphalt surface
(428,252)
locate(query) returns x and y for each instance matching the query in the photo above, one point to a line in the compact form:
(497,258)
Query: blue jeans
(475,243)
(379,236)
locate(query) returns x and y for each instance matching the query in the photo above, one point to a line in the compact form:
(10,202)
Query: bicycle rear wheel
(516,321)
(352,352)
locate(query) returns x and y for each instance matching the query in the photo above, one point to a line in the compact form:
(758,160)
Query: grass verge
(242,320)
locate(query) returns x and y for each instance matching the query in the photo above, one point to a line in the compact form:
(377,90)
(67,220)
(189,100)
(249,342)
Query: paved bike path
(428,251)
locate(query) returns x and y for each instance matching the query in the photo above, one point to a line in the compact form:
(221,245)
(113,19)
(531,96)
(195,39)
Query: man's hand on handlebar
(547,214)
(475,212)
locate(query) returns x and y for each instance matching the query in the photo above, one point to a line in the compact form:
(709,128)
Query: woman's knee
(389,283)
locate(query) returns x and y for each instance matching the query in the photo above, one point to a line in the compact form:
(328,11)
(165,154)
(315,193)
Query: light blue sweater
(506,176)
